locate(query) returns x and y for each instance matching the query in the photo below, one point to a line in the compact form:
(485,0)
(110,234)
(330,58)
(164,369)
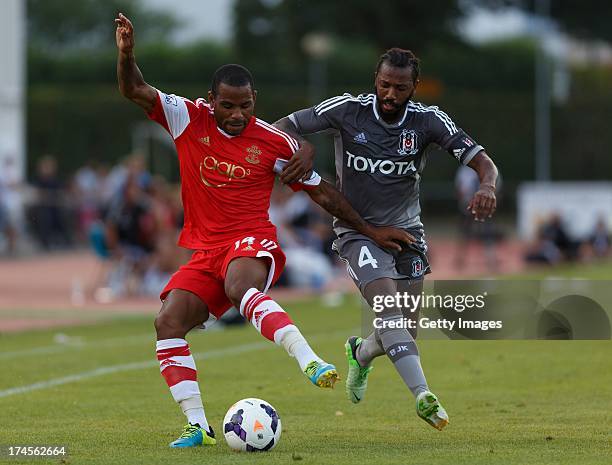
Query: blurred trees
(76,112)
(588,19)
(281,25)
(70,25)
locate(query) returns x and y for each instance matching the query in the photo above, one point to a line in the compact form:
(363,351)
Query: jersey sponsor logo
(365,164)
(205,140)
(408,142)
(361,138)
(253,154)
(230,171)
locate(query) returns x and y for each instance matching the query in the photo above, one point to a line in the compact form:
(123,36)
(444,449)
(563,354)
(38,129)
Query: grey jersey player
(380,141)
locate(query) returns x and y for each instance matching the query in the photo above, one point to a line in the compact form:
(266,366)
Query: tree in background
(281,25)
(69,25)
(587,19)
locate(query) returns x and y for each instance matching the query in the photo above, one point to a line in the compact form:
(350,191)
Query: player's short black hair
(400,58)
(232,75)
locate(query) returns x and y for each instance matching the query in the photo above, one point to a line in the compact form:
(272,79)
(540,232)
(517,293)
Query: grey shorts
(366,261)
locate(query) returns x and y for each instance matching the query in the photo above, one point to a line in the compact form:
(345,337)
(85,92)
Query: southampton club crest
(408,143)
(253,153)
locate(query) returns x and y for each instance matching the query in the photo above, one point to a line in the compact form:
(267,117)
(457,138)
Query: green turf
(510,402)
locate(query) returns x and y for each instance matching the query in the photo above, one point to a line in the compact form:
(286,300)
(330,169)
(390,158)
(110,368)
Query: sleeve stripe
(448,123)
(362,100)
(290,140)
(293,119)
(440,114)
(201,101)
(331,100)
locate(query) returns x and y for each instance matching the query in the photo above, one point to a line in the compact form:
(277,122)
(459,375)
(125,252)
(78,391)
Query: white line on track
(75,343)
(218,353)
(210,354)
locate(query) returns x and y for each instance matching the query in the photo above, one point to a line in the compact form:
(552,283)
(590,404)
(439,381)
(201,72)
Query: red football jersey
(226,180)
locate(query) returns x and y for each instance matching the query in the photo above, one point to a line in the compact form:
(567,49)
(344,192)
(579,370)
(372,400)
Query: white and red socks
(177,366)
(274,324)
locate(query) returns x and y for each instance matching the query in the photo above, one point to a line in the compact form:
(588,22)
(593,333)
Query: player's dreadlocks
(232,75)
(400,58)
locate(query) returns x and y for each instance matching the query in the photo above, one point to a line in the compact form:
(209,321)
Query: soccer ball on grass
(252,425)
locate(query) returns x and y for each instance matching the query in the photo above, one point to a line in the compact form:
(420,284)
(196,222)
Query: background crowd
(131,220)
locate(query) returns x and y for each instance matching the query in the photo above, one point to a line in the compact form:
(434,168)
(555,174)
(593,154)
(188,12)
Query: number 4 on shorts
(366,258)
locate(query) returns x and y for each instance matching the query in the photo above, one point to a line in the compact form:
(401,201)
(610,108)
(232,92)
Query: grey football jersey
(379,165)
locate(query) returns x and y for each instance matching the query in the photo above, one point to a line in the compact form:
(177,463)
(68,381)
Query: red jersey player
(228,159)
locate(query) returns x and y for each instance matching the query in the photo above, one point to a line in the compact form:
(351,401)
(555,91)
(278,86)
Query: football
(252,425)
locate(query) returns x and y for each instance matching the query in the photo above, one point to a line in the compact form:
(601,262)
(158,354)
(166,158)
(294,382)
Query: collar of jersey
(382,121)
(229,136)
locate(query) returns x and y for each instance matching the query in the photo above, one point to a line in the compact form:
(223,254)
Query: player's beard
(399,109)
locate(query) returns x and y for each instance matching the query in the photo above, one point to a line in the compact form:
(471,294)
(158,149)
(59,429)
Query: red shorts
(204,274)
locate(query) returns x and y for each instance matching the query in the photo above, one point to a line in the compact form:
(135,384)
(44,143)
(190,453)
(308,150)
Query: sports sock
(177,366)
(274,324)
(369,349)
(399,343)
(403,352)
(296,346)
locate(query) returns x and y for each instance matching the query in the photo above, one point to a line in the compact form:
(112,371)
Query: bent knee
(169,326)
(236,289)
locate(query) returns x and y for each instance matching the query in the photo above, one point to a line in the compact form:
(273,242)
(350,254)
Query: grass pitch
(100,393)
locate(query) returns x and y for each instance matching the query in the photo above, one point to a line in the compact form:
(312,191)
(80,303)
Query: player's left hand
(389,237)
(300,164)
(483,204)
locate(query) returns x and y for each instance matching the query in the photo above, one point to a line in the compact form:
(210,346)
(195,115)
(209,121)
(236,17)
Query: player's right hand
(389,237)
(299,165)
(124,33)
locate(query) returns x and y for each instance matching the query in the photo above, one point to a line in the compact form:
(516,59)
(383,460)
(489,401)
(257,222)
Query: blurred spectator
(556,233)
(133,167)
(11,205)
(130,233)
(48,212)
(87,195)
(599,240)
(553,244)
(473,233)
(543,250)
(133,219)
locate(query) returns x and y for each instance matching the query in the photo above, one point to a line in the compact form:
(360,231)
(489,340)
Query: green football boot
(194,436)
(429,408)
(357,379)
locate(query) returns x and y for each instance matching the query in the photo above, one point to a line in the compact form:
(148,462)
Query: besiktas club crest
(408,142)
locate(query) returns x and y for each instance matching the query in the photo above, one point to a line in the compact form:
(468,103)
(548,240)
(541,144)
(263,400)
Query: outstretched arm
(131,83)
(336,204)
(484,202)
